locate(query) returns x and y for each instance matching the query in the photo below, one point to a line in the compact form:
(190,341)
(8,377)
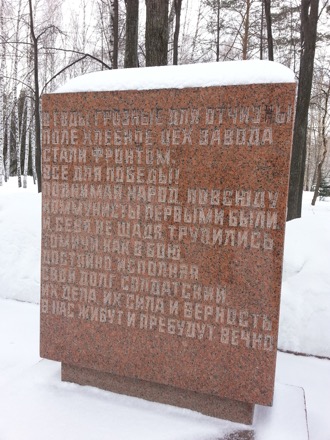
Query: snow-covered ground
(20,238)
(305,304)
(35,404)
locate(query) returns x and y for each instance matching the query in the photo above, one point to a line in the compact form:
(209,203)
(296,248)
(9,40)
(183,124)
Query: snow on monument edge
(183,76)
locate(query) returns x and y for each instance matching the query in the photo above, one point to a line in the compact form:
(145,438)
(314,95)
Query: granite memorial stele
(163,216)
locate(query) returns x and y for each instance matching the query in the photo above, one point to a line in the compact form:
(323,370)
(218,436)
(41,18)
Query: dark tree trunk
(269,30)
(309,19)
(177,7)
(156,32)
(115,35)
(132,24)
(218,31)
(261,47)
(36,98)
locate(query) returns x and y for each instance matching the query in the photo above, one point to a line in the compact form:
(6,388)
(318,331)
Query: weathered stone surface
(163,228)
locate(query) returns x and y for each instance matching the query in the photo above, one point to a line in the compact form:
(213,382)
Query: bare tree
(156,32)
(177,8)
(27,140)
(325,92)
(214,23)
(246,28)
(238,24)
(2,68)
(8,135)
(37,122)
(309,19)
(196,33)
(132,27)
(115,29)
(268,15)
(286,32)
(1,127)
(16,118)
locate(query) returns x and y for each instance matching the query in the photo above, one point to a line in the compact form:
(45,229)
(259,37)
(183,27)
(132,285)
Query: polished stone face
(162,234)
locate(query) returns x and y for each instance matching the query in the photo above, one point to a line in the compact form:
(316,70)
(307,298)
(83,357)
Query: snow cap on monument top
(183,76)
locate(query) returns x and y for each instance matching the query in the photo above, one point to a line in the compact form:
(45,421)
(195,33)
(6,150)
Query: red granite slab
(210,405)
(162,234)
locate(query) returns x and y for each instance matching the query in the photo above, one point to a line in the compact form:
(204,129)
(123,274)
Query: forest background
(43,43)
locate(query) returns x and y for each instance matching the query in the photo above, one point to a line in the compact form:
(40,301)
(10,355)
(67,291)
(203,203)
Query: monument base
(210,405)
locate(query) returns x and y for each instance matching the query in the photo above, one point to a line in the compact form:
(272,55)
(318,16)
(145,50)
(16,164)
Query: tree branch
(51,26)
(79,53)
(322,9)
(70,65)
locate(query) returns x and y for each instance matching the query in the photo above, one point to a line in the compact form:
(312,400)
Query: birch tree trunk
(27,141)
(196,35)
(8,130)
(33,149)
(2,101)
(18,145)
(1,126)
(16,118)
(324,145)
(246,29)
